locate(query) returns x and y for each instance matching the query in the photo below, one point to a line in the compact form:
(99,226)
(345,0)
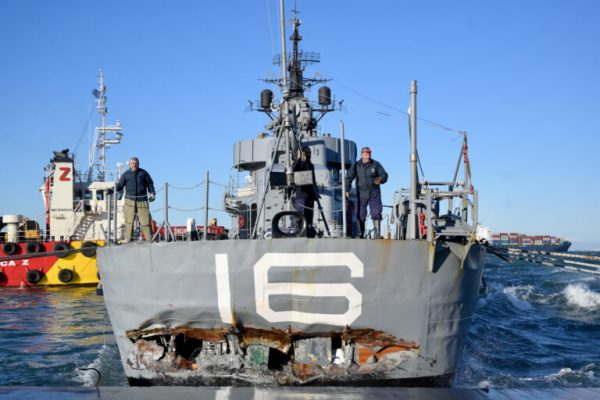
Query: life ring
(33,247)
(66,275)
(62,248)
(88,249)
(10,248)
(300,225)
(33,276)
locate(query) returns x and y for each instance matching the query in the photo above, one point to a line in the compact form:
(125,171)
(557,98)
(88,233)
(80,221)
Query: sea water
(537,327)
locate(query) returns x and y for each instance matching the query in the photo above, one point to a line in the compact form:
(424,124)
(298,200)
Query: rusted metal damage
(269,356)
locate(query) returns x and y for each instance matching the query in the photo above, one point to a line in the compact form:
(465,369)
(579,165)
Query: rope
(185,209)
(217,209)
(218,184)
(550,259)
(187,187)
(59,253)
(270,27)
(95,370)
(435,124)
(83,131)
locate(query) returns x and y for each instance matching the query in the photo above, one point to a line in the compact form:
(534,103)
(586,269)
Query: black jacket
(305,191)
(136,184)
(365,175)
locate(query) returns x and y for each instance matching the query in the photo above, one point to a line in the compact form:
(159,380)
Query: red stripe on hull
(14,272)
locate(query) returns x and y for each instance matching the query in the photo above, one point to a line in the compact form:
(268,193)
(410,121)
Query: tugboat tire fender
(301,224)
(33,247)
(65,275)
(10,248)
(33,276)
(88,249)
(61,247)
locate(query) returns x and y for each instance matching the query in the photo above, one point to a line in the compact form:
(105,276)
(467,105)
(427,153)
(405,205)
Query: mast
(283,54)
(104,136)
(296,79)
(414,177)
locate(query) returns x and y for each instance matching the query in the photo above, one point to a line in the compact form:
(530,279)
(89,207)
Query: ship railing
(21,236)
(432,221)
(76,218)
(164,231)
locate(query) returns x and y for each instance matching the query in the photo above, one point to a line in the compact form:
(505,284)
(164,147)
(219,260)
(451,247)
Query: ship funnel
(324,96)
(12,226)
(266,98)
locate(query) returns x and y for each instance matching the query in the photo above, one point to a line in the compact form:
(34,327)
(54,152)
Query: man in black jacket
(304,201)
(369,174)
(139,189)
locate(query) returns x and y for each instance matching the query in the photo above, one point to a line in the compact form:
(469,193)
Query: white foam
(519,295)
(89,377)
(484,384)
(564,374)
(519,292)
(580,295)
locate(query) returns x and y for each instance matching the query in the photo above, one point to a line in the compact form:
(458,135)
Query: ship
(281,302)
(523,242)
(77,206)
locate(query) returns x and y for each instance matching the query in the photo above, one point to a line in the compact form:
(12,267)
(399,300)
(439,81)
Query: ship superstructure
(272,306)
(268,159)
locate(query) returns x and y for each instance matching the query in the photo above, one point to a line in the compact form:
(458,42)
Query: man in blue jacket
(369,174)
(139,189)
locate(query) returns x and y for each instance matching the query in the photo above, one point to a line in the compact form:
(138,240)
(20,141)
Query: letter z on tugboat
(283,302)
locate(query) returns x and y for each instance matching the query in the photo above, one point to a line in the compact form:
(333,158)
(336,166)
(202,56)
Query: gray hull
(291,311)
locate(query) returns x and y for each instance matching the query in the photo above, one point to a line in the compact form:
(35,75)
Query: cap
(365,150)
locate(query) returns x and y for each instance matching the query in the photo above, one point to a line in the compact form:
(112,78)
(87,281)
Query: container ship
(521,241)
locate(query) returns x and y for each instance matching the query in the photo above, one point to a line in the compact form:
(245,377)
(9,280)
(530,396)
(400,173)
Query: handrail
(78,215)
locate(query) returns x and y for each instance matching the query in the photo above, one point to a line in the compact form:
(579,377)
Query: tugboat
(283,303)
(78,209)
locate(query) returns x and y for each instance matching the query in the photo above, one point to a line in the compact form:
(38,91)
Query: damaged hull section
(290,311)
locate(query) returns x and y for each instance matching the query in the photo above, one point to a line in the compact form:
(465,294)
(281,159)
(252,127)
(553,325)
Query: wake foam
(519,295)
(580,295)
(89,377)
(584,375)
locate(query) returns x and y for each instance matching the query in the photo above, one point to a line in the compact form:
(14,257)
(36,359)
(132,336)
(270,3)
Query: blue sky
(520,76)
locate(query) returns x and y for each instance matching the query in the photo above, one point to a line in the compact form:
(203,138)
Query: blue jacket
(365,175)
(137,184)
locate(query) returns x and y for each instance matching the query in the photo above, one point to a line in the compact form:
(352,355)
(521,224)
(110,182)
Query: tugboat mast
(101,140)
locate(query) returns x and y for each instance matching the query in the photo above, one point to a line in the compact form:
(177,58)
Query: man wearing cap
(369,175)
(304,201)
(139,189)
